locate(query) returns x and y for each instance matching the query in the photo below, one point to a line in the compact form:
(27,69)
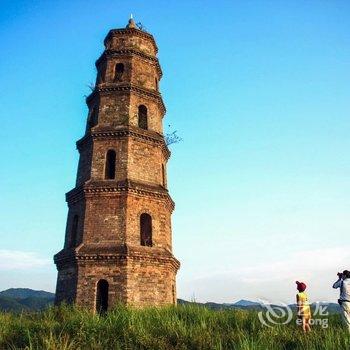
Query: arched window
(163,175)
(93,118)
(146,229)
(119,71)
(74,231)
(143,123)
(110,165)
(102,296)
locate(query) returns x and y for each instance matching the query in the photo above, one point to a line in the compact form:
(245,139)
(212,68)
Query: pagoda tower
(118,242)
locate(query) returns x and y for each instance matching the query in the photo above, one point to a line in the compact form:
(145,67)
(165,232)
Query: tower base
(137,276)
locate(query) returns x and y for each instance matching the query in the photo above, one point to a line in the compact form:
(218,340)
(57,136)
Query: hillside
(23,293)
(24,299)
(169,328)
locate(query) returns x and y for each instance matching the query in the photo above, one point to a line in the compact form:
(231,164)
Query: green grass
(181,327)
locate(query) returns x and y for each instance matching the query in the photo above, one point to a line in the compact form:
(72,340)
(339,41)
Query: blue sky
(260,93)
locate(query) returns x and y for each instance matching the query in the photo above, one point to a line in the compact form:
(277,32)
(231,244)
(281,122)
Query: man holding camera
(344,300)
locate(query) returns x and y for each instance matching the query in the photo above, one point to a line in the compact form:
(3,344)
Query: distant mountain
(253,305)
(24,299)
(23,293)
(329,307)
(241,304)
(246,303)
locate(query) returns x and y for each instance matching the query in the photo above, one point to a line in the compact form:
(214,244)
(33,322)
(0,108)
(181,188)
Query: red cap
(301,286)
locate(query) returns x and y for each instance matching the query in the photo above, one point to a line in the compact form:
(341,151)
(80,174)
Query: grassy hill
(24,299)
(186,326)
(10,304)
(169,328)
(23,293)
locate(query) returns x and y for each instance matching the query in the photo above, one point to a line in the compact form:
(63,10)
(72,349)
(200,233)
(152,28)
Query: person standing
(343,283)
(304,311)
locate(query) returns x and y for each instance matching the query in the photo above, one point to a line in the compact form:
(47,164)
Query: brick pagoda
(118,243)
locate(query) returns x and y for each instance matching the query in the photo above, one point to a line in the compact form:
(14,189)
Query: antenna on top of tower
(131,23)
(138,25)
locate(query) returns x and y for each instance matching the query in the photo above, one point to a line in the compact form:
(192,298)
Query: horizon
(259,93)
(234,302)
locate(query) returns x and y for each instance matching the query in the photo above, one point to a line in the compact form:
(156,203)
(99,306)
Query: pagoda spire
(131,23)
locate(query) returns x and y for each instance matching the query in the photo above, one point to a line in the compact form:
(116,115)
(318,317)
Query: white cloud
(304,263)
(273,279)
(19,260)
